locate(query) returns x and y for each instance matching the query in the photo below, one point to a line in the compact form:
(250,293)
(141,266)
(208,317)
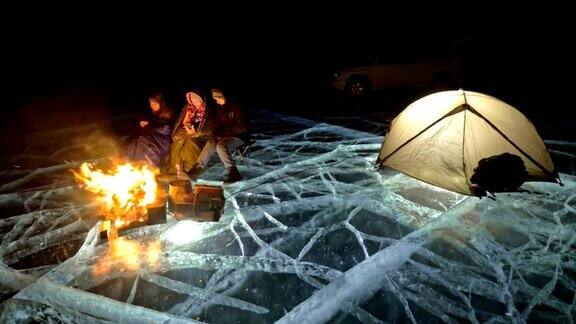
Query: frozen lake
(312,234)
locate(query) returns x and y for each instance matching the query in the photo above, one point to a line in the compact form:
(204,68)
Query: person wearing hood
(153,142)
(193,129)
(230,133)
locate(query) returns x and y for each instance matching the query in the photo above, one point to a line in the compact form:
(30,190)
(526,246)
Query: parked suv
(408,72)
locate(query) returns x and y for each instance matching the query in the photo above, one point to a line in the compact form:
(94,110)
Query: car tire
(358,86)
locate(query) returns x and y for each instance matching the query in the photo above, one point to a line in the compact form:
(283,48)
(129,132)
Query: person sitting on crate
(193,129)
(230,134)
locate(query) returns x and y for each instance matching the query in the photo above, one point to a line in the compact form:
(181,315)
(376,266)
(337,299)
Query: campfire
(129,197)
(123,193)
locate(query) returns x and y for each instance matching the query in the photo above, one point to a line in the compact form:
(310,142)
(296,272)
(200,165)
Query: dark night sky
(283,58)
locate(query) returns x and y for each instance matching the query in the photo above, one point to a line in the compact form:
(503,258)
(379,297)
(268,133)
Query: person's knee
(221,146)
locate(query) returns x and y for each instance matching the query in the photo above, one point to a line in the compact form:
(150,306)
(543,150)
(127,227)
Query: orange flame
(122,193)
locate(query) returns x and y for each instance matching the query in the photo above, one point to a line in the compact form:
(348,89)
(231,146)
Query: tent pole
(548,173)
(452,112)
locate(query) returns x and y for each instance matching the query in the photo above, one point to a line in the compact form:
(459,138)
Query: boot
(233,175)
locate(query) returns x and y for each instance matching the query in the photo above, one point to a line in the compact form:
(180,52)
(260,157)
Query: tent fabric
(441,138)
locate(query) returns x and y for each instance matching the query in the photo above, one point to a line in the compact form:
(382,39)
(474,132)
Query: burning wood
(123,193)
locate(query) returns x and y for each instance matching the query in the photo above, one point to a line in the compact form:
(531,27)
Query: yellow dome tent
(441,138)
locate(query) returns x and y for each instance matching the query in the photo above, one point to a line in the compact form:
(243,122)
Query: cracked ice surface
(325,239)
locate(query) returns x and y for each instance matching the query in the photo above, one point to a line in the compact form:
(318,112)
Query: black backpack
(499,173)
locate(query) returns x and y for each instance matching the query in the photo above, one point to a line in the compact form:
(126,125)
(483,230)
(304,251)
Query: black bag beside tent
(499,173)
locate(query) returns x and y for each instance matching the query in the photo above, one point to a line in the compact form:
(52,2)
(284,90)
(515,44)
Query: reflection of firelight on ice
(128,255)
(184,232)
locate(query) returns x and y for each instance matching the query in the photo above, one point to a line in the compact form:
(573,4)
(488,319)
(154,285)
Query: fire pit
(130,197)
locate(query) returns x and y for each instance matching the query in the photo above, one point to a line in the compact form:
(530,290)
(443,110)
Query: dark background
(92,59)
